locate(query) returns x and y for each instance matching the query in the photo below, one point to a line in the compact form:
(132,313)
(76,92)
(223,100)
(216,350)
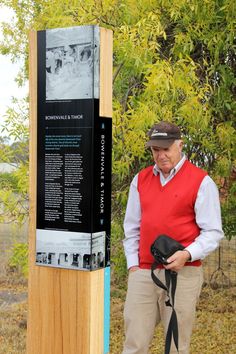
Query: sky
(8,72)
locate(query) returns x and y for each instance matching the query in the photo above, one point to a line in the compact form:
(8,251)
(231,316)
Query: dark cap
(163,135)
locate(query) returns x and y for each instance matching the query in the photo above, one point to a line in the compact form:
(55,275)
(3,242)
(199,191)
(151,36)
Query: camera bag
(162,248)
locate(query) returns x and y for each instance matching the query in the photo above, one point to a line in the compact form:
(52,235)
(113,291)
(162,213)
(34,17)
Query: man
(178,199)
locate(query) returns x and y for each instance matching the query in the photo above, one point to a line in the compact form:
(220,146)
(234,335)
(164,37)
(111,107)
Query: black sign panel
(73,152)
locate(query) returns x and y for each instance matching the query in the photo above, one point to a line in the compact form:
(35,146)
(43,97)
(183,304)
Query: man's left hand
(178,260)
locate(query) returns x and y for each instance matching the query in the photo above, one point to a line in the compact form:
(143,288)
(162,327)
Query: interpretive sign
(70,77)
(73,152)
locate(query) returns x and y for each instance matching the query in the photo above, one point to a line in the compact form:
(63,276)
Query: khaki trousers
(145,308)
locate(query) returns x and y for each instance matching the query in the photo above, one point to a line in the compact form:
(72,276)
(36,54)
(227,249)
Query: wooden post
(68,309)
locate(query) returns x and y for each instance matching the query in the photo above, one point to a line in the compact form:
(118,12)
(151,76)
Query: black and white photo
(72,63)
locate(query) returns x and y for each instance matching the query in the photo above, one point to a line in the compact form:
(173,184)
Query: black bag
(162,248)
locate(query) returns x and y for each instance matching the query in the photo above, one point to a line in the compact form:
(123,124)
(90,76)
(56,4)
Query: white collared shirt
(207,211)
(172,173)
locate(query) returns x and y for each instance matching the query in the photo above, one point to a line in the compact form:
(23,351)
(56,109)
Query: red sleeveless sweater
(168,209)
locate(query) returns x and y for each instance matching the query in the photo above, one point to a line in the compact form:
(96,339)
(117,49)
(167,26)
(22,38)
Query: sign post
(70,190)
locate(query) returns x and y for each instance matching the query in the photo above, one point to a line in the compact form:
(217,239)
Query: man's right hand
(133,269)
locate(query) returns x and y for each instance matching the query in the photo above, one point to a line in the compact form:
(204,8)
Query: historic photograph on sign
(70,249)
(72,63)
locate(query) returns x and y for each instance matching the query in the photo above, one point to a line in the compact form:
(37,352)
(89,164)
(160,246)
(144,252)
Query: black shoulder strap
(155,279)
(171,283)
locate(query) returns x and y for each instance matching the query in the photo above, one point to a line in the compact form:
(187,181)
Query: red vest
(168,209)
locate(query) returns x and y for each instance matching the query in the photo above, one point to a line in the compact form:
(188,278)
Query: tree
(173,60)
(14,185)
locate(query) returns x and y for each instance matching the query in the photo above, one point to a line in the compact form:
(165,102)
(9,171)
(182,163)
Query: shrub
(117,253)
(18,261)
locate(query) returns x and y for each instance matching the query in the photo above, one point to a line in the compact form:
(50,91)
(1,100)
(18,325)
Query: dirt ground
(214,331)
(13,315)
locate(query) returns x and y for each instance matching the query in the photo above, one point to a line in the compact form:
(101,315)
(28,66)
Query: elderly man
(176,198)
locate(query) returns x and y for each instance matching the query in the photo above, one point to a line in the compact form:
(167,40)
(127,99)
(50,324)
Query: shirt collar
(174,170)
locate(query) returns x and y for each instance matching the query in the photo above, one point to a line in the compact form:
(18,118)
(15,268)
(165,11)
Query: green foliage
(173,60)
(14,186)
(228,213)
(18,261)
(117,254)
(7,179)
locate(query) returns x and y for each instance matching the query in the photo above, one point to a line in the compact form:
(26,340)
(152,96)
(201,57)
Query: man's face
(167,158)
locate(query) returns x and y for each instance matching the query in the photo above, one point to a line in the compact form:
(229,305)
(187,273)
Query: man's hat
(163,135)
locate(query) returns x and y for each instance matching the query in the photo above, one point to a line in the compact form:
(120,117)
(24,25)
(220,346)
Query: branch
(117,72)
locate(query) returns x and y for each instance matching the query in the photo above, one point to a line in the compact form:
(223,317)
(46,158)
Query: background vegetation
(173,60)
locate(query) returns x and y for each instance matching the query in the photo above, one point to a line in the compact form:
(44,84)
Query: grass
(214,331)
(13,329)
(13,314)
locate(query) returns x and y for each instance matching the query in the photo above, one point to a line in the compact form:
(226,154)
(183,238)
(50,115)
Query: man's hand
(133,269)
(178,260)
